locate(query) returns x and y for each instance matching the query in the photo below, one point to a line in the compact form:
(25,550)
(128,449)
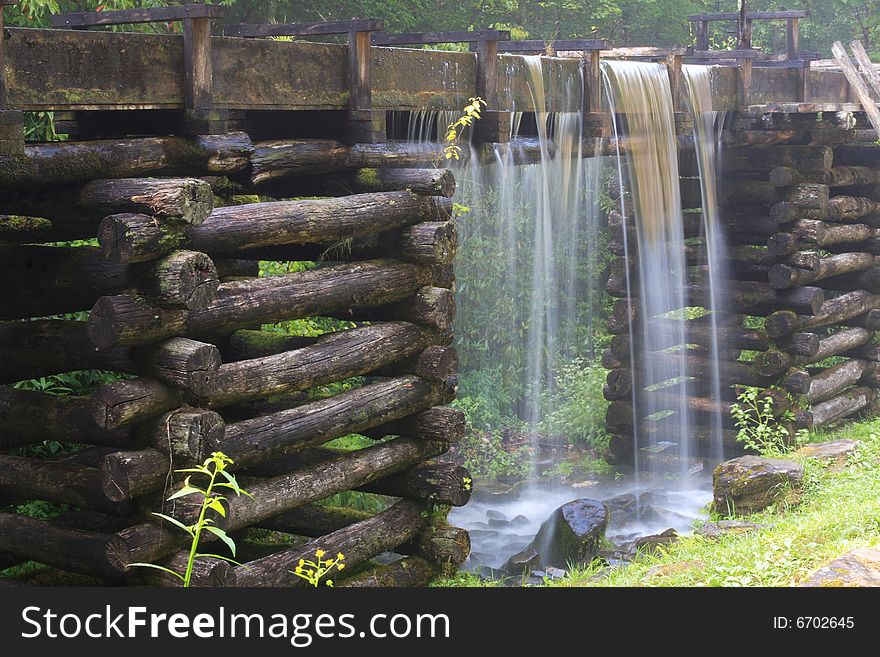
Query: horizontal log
(406,572)
(427,182)
(277,160)
(842,176)
(870,320)
(247,344)
(130,238)
(149,542)
(832,381)
(61,547)
(438,482)
(252,442)
(335,356)
(429,306)
(850,402)
(788,211)
(436,363)
(868,280)
(358,542)
(669,333)
(847,208)
(809,196)
(17,229)
(806,159)
(51,165)
(126,320)
(46,280)
(182,432)
(799,344)
(785,276)
(442,424)
(117,404)
(179,199)
(834,311)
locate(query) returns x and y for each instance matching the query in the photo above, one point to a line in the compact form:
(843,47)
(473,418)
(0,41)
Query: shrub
(575,407)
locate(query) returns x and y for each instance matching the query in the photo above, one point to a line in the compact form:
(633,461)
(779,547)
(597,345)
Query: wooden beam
(539,46)
(866,66)
(305,29)
(752,15)
(793,37)
(858,84)
(84,19)
(427,38)
(11,122)
(197,63)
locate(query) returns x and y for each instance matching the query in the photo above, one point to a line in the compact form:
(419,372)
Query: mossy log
(848,403)
(785,276)
(46,280)
(436,363)
(247,344)
(406,572)
(275,160)
(123,402)
(847,208)
(129,238)
(429,306)
(834,311)
(809,196)
(438,482)
(181,433)
(668,333)
(255,441)
(149,542)
(799,344)
(125,320)
(69,163)
(428,182)
(18,229)
(834,380)
(442,424)
(836,344)
(336,356)
(358,542)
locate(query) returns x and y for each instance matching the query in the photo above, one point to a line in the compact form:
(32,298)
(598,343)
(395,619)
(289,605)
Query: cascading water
(530,243)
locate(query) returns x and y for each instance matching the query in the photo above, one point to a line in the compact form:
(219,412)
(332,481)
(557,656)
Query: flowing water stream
(532,241)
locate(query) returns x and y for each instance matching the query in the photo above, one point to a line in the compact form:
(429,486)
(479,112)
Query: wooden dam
(168,131)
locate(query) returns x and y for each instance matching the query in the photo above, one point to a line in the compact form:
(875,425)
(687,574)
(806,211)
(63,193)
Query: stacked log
(167,301)
(802,224)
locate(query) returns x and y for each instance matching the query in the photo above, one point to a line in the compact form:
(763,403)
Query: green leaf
(158,567)
(174,522)
(220,556)
(217,506)
(219,533)
(186,490)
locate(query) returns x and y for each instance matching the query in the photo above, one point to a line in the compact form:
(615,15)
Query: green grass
(838,512)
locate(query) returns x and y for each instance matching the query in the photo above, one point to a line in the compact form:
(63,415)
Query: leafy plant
(214,466)
(759,427)
(576,408)
(470,114)
(314,571)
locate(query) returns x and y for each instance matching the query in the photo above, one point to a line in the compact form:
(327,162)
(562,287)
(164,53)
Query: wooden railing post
(793,38)
(202,117)
(364,124)
(673,64)
(494,126)
(702,35)
(11,122)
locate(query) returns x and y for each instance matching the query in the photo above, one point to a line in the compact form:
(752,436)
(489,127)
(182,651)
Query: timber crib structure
(171,133)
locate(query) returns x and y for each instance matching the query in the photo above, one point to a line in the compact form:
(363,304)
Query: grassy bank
(838,512)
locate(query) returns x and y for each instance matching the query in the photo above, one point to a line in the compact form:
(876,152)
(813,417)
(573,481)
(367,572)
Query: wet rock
(654,515)
(572,533)
(649,544)
(519,521)
(526,560)
(715,530)
(834,453)
(482,533)
(555,573)
(497,522)
(749,484)
(653,498)
(856,568)
(621,509)
(477,525)
(492,514)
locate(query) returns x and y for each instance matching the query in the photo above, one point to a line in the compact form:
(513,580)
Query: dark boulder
(527,560)
(749,484)
(573,533)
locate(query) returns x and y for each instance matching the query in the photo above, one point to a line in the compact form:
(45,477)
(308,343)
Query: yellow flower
(299,570)
(340,566)
(302,562)
(340,556)
(320,553)
(329,582)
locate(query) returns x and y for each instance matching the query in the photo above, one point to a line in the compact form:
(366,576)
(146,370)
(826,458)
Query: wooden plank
(85,19)
(424,38)
(304,29)
(793,38)
(858,84)
(752,15)
(198,92)
(866,66)
(537,45)
(646,52)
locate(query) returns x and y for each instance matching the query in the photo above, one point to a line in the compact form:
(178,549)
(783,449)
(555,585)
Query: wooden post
(201,115)
(673,65)
(596,123)
(364,124)
(11,122)
(744,80)
(858,85)
(702,35)
(494,126)
(793,38)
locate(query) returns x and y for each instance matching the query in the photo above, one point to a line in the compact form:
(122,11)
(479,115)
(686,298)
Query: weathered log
(821,233)
(433,481)
(429,306)
(206,571)
(17,229)
(844,208)
(51,165)
(335,356)
(799,344)
(126,238)
(314,520)
(833,311)
(45,280)
(251,442)
(149,542)
(809,260)
(850,402)
(835,379)
(178,199)
(706,443)
(442,424)
(871,374)
(28,417)
(440,543)
(436,363)
(870,320)
(797,382)
(358,542)
(68,549)
(183,432)
(837,344)
(842,176)
(406,572)
(428,182)
(867,351)
(55,480)
(787,212)
(868,280)
(276,160)
(126,320)
(810,196)
(33,349)
(234,228)
(183,363)
(669,333)
(784,276)
(230,269)
(123,402)
(771,363)
(806,159)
